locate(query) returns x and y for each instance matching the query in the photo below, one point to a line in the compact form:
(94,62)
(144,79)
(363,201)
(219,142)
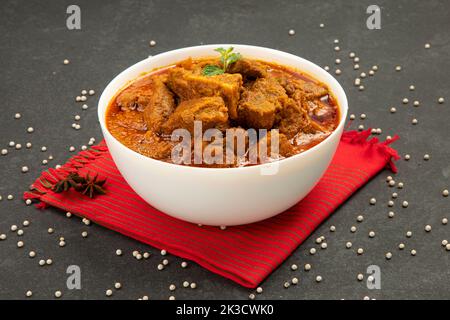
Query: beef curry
(251,94)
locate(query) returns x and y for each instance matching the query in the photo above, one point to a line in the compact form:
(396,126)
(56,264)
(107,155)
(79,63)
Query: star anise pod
(93,186)
(86,185)
(72,180)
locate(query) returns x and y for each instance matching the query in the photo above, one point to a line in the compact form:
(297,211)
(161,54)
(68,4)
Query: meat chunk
(160,106)
(261,103)
(265,150)
(188,85)
(136,96)
(249,69)
(310,90)
(294,119)
(160,148)
(211,111)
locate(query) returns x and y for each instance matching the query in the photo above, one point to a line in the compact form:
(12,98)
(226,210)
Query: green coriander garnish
(227,57)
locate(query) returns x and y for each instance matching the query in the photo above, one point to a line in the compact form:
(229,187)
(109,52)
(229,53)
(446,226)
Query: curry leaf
(211,70)
(226,59)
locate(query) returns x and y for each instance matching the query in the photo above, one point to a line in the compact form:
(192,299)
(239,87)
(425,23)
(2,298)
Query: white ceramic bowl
(231,196)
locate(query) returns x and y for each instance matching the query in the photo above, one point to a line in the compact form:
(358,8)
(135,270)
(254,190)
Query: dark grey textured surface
(114,35)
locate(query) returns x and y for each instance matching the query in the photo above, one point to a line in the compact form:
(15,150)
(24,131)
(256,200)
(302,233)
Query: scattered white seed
(13,228)
(24,169)
(20,232)
(32,254)
(30,129)
(193,285)
(172,287)
(405,204)
(388,255)
(49,261)
(160,267)
(291,32)
(312,251)
(287,284)
(165,262)
(251,296)
(356,66)
(294,267)
(185,284)
(338,71)
(184,264)
(318,279)
(360,277)
(84,107)
(413,252)
(10,197)
(29,293)
(20,244)
(444,243)
(2,236)
(371,234)
(416,103)
(146,255)
(444,221)
(409,234)
(337,61)
(66,61)
(400,185)
(373,201)
(352,55)
(414,121)
(337,48)
(401,246)
(441,100)
(360,251)
(398,68)
(4,152)
(426,157)
(447,247)
(84,234)
(118,252)
(348,245)
(50,230)
(294,281)
(427,46)
(91,92)
(307,267)
(360,218)
(427,228)
(405,100)
(332,228)
(109,293)
(152,43)
(163,252)
(117,285)
(390,203)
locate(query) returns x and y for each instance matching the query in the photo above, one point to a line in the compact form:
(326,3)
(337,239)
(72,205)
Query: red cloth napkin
(245,254)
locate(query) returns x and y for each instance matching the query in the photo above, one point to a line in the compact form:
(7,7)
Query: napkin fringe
(51,176)
(362,137)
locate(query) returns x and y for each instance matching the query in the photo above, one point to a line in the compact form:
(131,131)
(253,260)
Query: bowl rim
(343,105)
